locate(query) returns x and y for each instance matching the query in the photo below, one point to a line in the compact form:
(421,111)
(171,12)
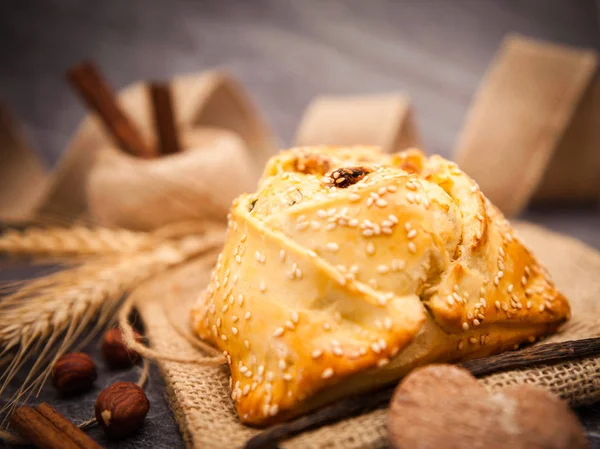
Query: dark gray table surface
(285,53)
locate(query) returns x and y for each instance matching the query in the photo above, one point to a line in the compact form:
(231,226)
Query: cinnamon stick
(98,95)
(39,431)
(164,118)
(75,434)
(536,355)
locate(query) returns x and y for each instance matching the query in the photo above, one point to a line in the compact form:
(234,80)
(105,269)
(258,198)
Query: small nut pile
(121,408)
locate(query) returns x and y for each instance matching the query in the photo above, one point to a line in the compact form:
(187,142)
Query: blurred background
(285,53)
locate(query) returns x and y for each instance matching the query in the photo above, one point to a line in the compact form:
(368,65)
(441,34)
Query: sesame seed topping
(465,326)
(450,300)
(247,344)
(317,353)
(375,347)
(353,197)
(234,318)
(333,247)
(238,259)
(240,299)
(380,202)
(476,322)
(461,345)
(278,332)
(248,315)
(224,337)
(370,248)
(472,340)
(412,247)
(326,326)
(337,351)
(273,410)
(383,269)
(542,307)
(505,307)
(327,373)
(224,309)
(262,286)
(295,317)
(387,322)
(282,255)
(412,233)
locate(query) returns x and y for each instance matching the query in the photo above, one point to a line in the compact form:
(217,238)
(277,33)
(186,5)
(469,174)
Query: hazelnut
(121,408)
(74,373)
(115,352)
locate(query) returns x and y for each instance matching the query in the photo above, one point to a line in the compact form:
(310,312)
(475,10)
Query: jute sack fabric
(199,395)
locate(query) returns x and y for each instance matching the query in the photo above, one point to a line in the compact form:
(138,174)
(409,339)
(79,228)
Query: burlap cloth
(199,396)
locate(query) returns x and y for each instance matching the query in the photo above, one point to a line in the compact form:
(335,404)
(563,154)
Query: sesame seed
(497,304)
(496,281)
(224,337)
(500,274)
(387,322)
(383,269)
(337,351)
(510,288)
(331,226)
(353,197)
(353,223)
(224,309)
(234,318)
(412,233)
(469,315)
(375,347)
(476,322)
(219,322)
(450,300)
(317,353)
(370,248)
(248,315)
(278,332)
(311,253)
(472,340)
(370,201)
(273,410)
(505,307)
(246,390)
(262,286)
(381,202)
(247,344)
(295,317)
(257,256)
(231,300)
(238,259)
(327,373)
(523,281)
(542,307)
(240,299)
(391,189)
(289,325)
(332,246)
(326,326)
(460,345)
(367,232)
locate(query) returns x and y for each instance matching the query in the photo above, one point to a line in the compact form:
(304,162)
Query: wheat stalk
(59,242)
(46,316)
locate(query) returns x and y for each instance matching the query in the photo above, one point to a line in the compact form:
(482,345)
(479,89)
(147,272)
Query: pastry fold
(350,267)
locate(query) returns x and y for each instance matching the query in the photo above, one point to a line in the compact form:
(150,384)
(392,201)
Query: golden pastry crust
(349,267)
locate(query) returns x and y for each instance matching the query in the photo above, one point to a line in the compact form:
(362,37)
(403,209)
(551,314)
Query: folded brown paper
(382,120)
(208,100)
(533,130)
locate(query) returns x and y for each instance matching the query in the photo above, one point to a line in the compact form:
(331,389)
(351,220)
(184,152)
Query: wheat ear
(47,315)
(77,241)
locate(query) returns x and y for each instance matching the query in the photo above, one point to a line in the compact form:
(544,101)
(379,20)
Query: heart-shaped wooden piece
(444,406)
